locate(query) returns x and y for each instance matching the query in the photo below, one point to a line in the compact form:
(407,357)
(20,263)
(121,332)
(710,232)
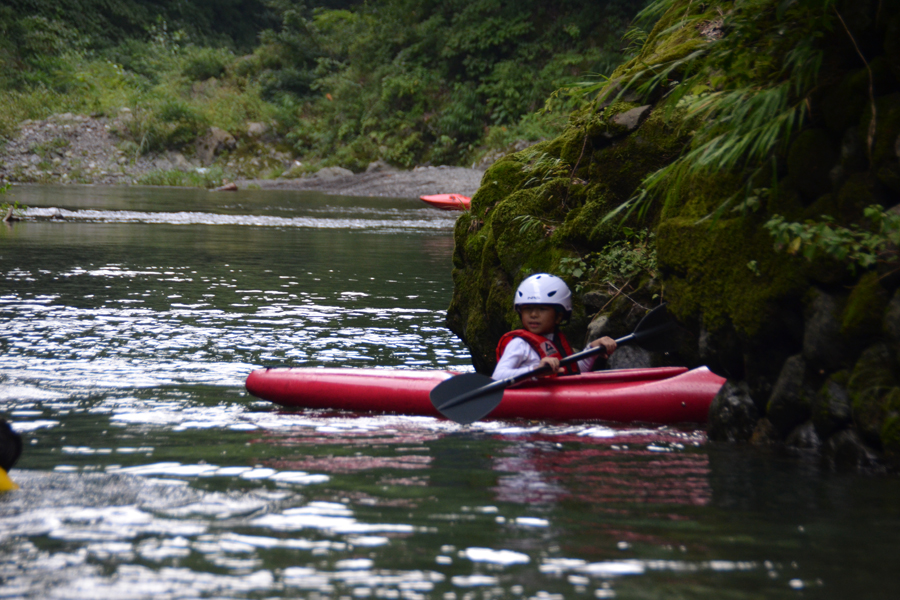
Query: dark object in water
(10,446)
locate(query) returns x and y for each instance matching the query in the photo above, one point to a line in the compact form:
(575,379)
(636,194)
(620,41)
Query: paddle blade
(655,331)
(472,409)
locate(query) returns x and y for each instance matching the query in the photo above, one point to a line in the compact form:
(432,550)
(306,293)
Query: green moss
(706,273)
(673,37)
(865,308)
(620,169)
(497,183)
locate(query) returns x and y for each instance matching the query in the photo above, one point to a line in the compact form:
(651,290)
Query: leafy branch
(616,265)
(857,246)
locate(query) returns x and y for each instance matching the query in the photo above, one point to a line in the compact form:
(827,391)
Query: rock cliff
(739,150)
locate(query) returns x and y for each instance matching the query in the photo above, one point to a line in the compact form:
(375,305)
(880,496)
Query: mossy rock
(706,271)
(864,313)
(870,387)
(665,43)
(850,97)
(496,184)
(831,406)
(621,167)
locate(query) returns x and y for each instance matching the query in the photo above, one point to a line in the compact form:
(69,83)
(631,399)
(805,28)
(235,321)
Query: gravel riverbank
(79,149)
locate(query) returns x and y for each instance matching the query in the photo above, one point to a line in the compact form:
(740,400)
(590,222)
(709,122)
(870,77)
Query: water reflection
(130,325)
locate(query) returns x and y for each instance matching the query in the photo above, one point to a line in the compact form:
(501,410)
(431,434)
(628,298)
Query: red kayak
(658,395)
(447,201)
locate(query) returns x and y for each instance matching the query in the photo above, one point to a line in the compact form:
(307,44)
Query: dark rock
(732,414)
(766,352)
(765,434)
(598,327)
(631,119)
(790,402)
(823,344)
(891,322)
(845,451)
(810,159)
(870,386)
(804,437)
(630,357)
(595,301)
(831,405)
(720,350)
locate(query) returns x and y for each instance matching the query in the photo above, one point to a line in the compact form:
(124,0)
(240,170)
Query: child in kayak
(543,302)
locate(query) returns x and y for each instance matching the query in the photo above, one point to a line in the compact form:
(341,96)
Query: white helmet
(544,288)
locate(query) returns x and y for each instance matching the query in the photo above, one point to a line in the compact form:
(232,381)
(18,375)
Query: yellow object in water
(6,484)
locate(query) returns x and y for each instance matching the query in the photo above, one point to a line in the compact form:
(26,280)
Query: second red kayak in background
(447,201)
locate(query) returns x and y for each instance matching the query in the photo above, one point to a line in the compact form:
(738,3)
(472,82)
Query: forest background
(339,82)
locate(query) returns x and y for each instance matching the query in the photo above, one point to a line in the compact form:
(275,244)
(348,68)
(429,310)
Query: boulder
(379,166)
(823,344)
(790,402)
(630,119)
(846,451)
(732,414)
(630,357)
(831,405)
(871,387)
(256,130)
(331,173)
(212,143)
(804,437)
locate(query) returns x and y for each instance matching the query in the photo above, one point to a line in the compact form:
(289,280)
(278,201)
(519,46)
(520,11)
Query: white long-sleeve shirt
(519,357)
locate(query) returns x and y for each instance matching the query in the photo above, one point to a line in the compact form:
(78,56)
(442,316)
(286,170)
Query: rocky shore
(68,148)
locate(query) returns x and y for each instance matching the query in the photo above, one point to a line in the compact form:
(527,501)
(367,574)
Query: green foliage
(743,94)
(413,82)
(858,246)
(407,81)
(618,263)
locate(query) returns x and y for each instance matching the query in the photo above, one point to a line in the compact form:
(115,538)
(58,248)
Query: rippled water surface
(130,318)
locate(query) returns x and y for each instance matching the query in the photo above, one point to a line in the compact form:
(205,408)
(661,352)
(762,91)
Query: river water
(130,319)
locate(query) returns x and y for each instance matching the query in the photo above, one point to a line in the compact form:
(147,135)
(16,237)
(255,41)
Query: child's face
(539,318)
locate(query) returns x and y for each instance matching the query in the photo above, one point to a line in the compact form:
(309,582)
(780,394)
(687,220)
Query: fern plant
(742,94)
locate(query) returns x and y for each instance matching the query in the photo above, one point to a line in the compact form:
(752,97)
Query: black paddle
(469,397)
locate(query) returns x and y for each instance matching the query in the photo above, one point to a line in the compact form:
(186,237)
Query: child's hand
(550,361)
(608,344)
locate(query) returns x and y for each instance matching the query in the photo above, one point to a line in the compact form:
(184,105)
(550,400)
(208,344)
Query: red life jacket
(543,346)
